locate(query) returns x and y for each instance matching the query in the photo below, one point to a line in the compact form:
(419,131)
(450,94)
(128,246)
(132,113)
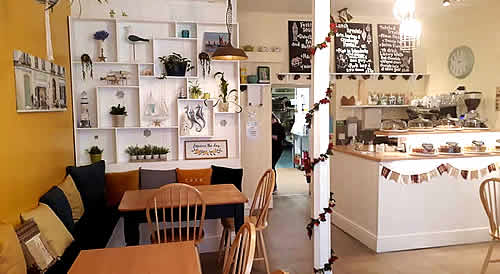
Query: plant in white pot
(164,152)
(225,96)
(156,152)
(132,152)
(148,150)
(140,153)
(118,114)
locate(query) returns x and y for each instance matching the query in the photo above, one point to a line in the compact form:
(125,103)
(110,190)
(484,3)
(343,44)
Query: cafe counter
(394,201)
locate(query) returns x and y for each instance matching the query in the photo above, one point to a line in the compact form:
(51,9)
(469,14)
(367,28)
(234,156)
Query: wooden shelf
(376,106)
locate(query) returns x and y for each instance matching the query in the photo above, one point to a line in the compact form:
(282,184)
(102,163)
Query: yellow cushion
(52,229)
(11,254)
(194,177)
(69,189)
(119,182)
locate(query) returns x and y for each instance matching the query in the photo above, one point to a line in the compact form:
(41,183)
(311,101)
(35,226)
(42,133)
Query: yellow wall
(36,147)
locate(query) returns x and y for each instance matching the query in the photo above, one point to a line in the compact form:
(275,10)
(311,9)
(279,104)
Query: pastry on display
(420,124)
(425,149)
(394,126)
(449,123)
(477,146)
(450,148)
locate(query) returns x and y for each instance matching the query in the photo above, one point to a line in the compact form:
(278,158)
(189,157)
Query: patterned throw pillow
(194,177)
(37,252)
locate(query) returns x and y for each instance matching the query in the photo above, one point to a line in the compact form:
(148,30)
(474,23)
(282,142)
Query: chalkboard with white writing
(354,48)
(299,44)
(391,57)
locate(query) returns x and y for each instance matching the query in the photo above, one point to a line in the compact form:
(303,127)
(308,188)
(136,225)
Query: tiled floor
(290,250)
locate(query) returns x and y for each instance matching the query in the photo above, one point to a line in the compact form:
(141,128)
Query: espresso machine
(472,99)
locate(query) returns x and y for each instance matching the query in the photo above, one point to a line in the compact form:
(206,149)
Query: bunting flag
(466,174)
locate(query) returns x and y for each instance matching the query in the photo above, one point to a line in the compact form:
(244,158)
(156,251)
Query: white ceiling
(356,7)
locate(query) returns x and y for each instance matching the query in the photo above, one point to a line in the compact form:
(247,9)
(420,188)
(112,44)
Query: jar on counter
(400,99)
(383,99)
(392,99)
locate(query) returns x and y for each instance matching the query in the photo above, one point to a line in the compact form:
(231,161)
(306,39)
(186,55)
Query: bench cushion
(90,182)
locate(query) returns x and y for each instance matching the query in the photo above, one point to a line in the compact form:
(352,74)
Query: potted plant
(176,65)
(140,153)
(95,154)
(156,152)
(132,152)
(223,100)
(118,114)
(148,150)
(163,153)
(194,90)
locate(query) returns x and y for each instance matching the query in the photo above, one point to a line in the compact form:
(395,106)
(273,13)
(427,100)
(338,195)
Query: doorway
(289,106)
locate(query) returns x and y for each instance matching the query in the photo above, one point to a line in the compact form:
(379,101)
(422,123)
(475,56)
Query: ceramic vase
(118,120)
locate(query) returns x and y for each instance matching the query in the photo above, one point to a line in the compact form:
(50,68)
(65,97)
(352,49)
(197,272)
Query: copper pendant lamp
(228,52)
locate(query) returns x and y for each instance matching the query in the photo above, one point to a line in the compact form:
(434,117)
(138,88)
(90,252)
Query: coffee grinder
(472,99)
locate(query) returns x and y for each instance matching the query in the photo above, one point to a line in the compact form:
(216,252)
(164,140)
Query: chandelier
(410,28)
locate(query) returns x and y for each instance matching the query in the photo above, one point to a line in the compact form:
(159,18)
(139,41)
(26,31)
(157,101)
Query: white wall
(476,27)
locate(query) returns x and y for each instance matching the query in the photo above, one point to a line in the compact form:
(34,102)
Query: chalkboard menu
(299,43)
(354,48)
(391,57)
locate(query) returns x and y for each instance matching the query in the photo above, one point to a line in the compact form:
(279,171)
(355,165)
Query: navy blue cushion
(225,175)
(93,231)
(90,182)
(58,202)
(152,179)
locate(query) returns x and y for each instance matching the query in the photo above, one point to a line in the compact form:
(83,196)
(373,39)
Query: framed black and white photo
(40,85)
(205,149)
(264,75)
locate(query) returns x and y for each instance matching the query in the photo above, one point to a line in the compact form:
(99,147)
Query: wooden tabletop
(175,257)
(135,200)
(398,156)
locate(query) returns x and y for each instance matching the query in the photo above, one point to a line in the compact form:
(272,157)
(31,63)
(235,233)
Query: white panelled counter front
(381,204)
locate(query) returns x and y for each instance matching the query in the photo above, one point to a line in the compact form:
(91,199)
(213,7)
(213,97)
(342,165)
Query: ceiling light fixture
(446,3)
(410,28)
(228,52)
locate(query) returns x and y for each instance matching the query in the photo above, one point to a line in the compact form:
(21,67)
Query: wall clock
(461,62)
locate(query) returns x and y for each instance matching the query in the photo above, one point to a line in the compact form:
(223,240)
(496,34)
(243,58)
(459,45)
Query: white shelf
(225,113)
(167,77)
(376,106)
(176,38)
(264,57)
(258,85)
(201,136)
(382,74)
(117,86)
(114,63)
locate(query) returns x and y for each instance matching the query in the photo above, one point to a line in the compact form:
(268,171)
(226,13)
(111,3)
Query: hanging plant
(205,63)
(225,96)
(87,66)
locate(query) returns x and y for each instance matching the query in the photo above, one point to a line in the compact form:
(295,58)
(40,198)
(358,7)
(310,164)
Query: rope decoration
(328,38)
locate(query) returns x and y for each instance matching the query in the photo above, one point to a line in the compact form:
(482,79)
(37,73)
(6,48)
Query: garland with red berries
(324,101)
(328,38)
(322,217)
(327,266)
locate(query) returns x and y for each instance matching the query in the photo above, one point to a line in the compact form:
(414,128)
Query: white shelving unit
(165,38)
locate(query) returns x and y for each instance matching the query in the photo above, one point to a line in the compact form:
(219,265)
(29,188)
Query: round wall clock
(461,62)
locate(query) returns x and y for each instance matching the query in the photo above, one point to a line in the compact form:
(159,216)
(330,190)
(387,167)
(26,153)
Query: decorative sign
(354,48)
(199,150)
(40,84)
(299,44)
(391,57)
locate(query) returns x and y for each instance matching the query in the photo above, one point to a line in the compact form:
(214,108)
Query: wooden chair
(179,213)
(279,271)
(242,251)
(259,212)
(490,198)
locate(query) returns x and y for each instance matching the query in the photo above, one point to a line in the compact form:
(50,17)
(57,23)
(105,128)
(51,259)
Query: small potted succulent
(118,114)
(132,152)
(176,65)
(194,90)
(140,153)
(148,150)
(95,154)
(156,152)
(163,153)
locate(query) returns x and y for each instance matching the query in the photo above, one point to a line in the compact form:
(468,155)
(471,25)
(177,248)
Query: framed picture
(264,75)
(214,40)
(40,85)
(205,149)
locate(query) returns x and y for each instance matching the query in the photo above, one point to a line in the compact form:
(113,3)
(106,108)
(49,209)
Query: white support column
(319,134)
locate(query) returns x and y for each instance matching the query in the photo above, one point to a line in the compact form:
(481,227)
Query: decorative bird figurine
(134,39)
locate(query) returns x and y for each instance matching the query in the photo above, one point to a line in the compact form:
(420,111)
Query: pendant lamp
(228,52)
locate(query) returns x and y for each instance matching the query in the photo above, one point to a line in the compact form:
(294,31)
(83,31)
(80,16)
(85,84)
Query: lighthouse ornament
(84,111)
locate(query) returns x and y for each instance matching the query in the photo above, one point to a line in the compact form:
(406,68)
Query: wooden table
(222,201)
(175,257)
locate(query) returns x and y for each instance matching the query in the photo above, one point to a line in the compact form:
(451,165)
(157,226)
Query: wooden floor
(290,250)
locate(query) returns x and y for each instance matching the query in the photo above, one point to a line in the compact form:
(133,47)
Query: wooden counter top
(398,156)
(384,133)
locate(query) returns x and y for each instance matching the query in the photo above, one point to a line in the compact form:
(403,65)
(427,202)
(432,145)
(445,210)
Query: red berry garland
(328,38)
(322,216)
(327,266)
(324,101)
